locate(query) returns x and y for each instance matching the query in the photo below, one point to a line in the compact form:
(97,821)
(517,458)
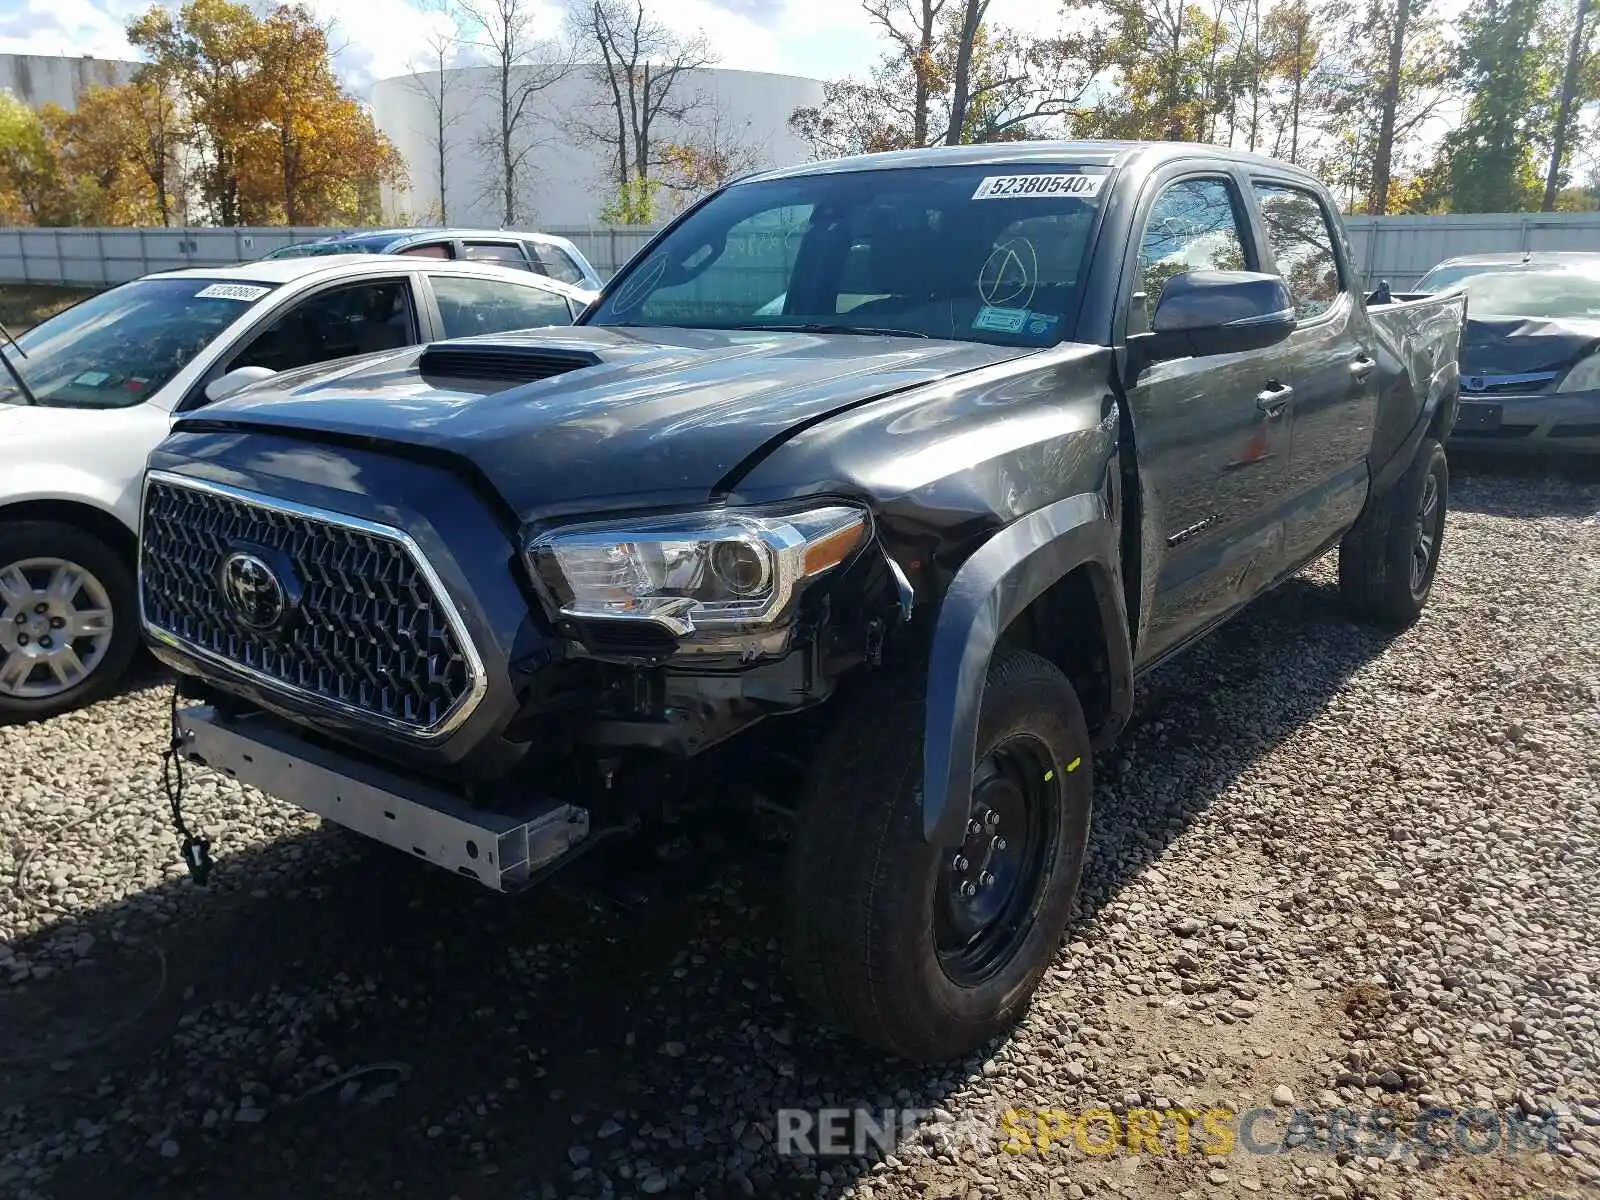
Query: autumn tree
(1292,37)
(1490,157)
(275,137)
(1580,81)
(1160,70)
(950,77)
(718,150)
(642,69)
(30,185)
(525,61)
(100,155)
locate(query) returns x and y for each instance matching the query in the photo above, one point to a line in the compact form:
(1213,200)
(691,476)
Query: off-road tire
(1375,558)
(860,940)
(54,539)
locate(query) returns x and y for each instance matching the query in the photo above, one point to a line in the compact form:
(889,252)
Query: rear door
(1331,365)
(1212,433)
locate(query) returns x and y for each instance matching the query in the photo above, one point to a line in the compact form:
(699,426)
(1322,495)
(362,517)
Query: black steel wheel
(932,951)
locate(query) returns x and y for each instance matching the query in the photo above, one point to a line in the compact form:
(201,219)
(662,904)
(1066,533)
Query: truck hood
(1526,345)
(661,413)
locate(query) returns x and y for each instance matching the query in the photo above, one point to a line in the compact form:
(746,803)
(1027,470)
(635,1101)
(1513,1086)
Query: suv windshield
(113,350)
(984,254)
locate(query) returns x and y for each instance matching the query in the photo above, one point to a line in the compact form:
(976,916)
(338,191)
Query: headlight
(1585,377)
(720,570)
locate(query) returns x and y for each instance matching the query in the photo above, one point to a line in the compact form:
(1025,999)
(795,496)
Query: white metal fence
(1398,249)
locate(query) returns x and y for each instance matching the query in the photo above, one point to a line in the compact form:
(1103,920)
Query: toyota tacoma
(901,470)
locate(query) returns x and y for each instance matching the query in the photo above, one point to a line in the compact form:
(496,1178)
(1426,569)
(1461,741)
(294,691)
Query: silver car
(541,253)
(1530,355)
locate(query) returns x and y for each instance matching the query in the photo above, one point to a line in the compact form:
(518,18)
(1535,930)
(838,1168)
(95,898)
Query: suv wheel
(67,619)
(932,951)
(1389,558)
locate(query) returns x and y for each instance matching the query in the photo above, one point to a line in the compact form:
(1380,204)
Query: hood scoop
(500,364)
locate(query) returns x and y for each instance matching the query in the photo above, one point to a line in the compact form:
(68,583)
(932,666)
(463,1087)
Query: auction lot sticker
(1007,187)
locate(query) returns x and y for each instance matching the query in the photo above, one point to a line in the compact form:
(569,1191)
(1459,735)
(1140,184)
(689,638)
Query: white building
(567,182)
(38,79)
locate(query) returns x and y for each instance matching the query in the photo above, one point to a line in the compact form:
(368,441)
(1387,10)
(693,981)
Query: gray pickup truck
(899,470)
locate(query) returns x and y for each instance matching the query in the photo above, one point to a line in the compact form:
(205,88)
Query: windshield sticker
(1007,187)
(1042,326)
(1010,275)
(247,292)
(91,379)
(640,285)
(1001,320)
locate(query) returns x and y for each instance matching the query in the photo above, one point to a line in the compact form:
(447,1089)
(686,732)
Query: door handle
(1362,367)
(1275,399)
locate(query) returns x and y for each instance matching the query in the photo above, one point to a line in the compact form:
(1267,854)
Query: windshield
(113,350)
(983,254)
(1525,292)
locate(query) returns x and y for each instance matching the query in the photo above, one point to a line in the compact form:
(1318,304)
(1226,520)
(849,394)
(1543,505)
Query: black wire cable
(196,850)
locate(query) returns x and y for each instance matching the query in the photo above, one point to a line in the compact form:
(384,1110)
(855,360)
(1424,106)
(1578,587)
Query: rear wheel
(931,951)
(67,624)
(1388,560)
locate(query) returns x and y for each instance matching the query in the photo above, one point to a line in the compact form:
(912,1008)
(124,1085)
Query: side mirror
(236,380)
(1219,312)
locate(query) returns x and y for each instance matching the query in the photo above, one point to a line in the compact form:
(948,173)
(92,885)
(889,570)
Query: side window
(503,253)
(1193,226)
(432,250)
(559,265)
(469,306)
(357,319)
(1302,247)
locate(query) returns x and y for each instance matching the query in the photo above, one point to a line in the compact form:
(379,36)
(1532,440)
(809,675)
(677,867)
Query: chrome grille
(365,628)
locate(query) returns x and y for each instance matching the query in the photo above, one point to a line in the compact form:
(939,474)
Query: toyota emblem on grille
(253,591)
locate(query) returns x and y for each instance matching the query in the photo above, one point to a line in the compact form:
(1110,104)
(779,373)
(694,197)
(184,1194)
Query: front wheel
(931,951)
(67,620)
(1389,558)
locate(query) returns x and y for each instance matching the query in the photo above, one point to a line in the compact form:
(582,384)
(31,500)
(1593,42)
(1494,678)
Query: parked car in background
(86,394)
(541,253)
(1530,357)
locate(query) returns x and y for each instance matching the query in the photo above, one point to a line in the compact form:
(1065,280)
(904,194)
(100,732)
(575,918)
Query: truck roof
(1001,154)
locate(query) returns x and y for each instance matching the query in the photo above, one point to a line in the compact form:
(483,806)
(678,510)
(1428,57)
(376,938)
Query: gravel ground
(1357,874)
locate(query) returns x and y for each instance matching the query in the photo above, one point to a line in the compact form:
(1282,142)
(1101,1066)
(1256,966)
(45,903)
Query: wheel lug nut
(45,642)
(57,623)
(22,639)
(969,889)
(991,818)
(974,826)
(985,879)
(960,863)
(999,843)
(41,608)
(22,618)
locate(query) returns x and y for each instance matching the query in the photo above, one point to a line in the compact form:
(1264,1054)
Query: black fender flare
(1005,575)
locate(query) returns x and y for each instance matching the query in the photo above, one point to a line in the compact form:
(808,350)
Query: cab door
(1211,433)
(1332,366)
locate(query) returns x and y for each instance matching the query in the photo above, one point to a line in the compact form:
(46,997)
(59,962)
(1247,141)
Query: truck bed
(1421,335)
